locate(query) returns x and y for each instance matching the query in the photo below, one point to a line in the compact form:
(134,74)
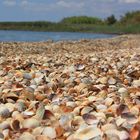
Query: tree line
(128,23)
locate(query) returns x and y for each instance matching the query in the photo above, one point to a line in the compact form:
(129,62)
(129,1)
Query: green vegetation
(129,23)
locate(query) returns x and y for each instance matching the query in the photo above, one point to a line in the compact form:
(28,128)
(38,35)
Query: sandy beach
(70,90)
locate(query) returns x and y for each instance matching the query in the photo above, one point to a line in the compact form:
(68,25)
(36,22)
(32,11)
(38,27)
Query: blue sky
(55,10)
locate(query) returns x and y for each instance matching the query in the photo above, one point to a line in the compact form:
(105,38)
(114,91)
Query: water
(31,36)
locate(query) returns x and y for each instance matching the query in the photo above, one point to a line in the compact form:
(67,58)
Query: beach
(70,90)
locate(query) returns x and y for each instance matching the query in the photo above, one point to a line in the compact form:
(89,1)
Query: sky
(55,10)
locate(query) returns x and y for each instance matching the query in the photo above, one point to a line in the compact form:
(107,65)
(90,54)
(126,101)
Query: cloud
(24,3)
(130,1)
(55,10)
(9,2)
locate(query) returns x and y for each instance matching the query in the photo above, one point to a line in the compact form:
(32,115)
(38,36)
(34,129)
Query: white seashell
(123,92)
(26,136)
(10,106)
(108,126)
(31,123)
(4,125)
(108,101)
(101,107)
(28,113)
(103,80)
(37,131)
(71,104)
(49,132)
(136,83)
(112,81)
(87,133)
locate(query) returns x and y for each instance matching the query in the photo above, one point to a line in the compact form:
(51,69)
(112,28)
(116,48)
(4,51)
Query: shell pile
(70,90)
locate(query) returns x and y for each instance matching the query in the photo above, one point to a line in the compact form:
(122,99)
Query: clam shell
(87,133)
(4,111)
(31,123)
(49,132)
(26,136)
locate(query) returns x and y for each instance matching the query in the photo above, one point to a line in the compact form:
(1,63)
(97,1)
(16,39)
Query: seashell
(1,81)
(77,122)
(26,136)
(120,121)
(112,81)
(27,76)
(109,101)
(20,106)
(59,131)
(40,112)
(94,59)
(49,132)
(124,135)
(4,111)
(71,104)
(86,110)
(103,80)
(135,132)
(12,96)
(108,126)
(4,125)
(87,133)
(65,121)
(122,108)
(6,133)
(80,87)
(123,92)
(136,83)
(10,107)
(135,110)
(130,118)
(37,131)
(92,98)
(42,137)
(79,67)
(101,107)
(1,136)
(134,73)
(28,95)
(90,119)
(31,123)
(16,125)
(28,113)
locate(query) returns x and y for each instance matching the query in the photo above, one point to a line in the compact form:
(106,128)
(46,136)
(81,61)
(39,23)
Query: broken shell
(49,132)
(30,123)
